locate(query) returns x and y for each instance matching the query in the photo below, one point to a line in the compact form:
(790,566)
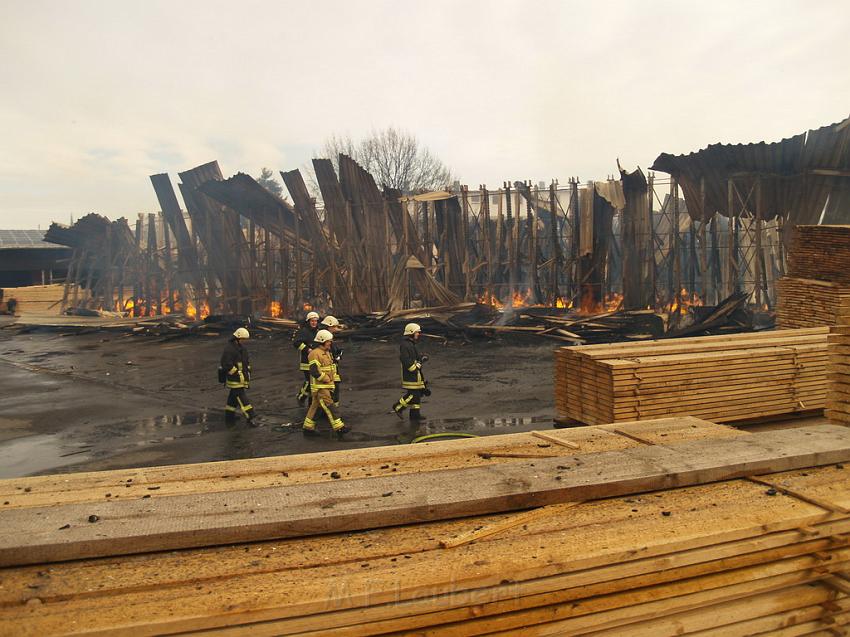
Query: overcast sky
(98,95)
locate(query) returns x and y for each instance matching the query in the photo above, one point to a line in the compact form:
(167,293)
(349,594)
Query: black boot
(397,409)
(416,414)
(229,419)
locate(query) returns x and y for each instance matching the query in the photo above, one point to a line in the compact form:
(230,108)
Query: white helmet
(323,336)
(330,321)
(411,328)
(312,315)
(241,333)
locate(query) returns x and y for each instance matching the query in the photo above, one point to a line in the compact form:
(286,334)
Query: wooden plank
(286,572)
(63,532)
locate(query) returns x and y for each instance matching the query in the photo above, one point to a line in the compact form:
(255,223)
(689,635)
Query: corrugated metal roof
(16,239)
(793,175)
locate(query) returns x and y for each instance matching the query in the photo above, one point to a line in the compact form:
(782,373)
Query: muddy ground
(85,402)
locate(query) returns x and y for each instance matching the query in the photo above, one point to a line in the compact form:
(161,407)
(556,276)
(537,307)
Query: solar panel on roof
(24,239)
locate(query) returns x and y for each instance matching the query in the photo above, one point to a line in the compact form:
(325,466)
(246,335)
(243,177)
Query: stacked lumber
(818,280)
(820,252)
(723,378)
(36,299)
(808,302)
(737,557)
(838,368)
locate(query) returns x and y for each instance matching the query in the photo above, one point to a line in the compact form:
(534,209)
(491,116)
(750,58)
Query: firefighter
(235,369)
(322,371)
(331,324)
(412,380)
(303,343)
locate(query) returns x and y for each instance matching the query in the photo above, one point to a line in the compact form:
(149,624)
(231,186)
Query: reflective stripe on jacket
(411,365)
(236,364)
(303,342)
(322,368)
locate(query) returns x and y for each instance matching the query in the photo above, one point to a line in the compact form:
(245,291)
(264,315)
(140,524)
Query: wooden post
(517,240)
(69,278)
(269,259)
(500,223)
(299,297)
(703,247)
(653,244)
(734,283)
(509,237)
(254,278)
(488,242)
(106,275)
(137,287)
(284,265)
(533,256)
(152,278)
(575,291)
(389,252)
(169,265)
(762,296)
(675,262)
(464,232)
(555,252)
(716,268)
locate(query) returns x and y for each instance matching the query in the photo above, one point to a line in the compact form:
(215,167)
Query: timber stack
(818,280)
(838,368)
(36,299)
(722,378)
(723,554)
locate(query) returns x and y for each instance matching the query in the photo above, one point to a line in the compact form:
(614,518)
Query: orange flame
(275,309)
(192,312)
(589,306)
(688,300)
(308,307)
(491,300)
(560,302)
(521,299)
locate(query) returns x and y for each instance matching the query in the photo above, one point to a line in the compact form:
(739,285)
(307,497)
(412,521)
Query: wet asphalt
(87,402)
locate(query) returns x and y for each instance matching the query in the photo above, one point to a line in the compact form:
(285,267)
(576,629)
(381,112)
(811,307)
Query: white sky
(98,95)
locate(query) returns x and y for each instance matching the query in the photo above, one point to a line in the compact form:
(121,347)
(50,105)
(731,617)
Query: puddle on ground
(477,426)
(31,454)
(180,420)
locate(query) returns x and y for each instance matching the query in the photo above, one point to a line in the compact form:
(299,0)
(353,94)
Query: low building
(27,259)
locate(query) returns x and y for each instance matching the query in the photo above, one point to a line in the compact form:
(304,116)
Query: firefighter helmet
(241,333)
(330,321)
(312,315)
(323,336)
(411,328)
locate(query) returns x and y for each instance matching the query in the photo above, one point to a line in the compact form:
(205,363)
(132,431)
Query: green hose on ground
(445,434)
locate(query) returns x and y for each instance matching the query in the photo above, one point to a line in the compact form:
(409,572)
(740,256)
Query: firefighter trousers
(412,399)
(323,400)
(238,401)
(304,391)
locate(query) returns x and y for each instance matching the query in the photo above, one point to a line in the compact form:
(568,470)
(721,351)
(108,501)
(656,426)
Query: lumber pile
(808,302)
(820,252)
(722,378)
(838,368)
(818,280)
(36,299)
(740,557)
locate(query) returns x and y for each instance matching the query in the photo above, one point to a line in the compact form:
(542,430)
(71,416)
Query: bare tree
(394,157)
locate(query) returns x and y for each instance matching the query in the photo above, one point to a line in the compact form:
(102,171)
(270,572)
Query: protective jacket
(236,364)
(304,343)
(322,369)
(411,365)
